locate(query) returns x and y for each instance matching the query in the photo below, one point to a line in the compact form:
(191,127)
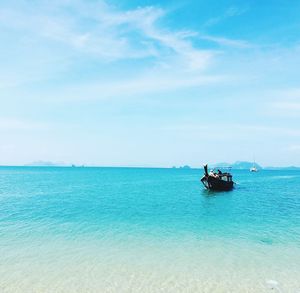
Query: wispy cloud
(136,87)
(241,44)
(110,33)
(99,31)
(15,124)
(232,11)
(103,37)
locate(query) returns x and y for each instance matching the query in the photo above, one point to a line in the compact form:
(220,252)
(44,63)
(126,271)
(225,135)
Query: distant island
(45,164)
(185,167)
(182,167)
(244,165)
(283,168)
(239,165)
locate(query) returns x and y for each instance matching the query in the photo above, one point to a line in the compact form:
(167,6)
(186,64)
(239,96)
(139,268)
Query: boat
(220,181)
(253,168)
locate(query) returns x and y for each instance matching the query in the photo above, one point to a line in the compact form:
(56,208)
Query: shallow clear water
(147,230)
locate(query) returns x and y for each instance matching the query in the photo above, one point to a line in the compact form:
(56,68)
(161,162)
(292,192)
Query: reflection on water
(209,193)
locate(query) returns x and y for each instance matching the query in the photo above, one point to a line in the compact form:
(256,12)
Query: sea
(90,230)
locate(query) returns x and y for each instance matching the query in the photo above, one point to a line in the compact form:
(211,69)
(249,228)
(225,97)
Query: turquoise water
(147,230)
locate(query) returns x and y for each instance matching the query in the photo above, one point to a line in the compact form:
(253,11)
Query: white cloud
(138,86)
(54,39)
(102,30)
(98,31)
(241,44)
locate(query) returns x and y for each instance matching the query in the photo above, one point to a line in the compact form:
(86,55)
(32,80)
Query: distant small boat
(253,168)
(217,180)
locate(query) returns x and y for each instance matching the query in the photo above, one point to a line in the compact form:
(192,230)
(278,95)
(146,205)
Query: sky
(149,83)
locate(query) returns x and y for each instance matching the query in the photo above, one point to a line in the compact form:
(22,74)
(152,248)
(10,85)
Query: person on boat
(211,173)
(219,172)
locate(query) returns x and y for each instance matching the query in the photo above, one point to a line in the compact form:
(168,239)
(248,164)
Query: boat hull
(213,183)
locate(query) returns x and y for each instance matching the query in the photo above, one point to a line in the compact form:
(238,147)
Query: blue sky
(149,83)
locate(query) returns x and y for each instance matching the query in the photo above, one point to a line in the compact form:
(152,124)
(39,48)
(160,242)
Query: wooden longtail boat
(217,180)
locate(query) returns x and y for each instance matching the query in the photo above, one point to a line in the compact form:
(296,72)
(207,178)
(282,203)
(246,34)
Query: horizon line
(185,167)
